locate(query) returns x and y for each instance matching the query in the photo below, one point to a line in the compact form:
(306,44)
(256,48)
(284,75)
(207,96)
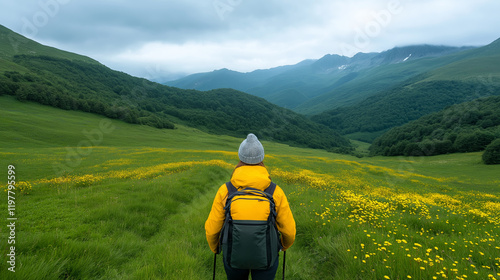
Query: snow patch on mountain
(407,58)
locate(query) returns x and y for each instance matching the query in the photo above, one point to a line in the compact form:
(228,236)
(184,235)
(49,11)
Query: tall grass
(135,207)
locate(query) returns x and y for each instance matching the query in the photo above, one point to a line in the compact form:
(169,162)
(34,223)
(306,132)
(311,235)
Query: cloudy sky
(158,38)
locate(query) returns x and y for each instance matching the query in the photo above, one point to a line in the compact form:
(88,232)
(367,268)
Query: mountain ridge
(460,77)
(310,79)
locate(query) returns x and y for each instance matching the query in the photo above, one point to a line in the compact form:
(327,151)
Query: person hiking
(249,176)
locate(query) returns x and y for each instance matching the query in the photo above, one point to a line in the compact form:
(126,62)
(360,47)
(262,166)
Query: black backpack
(248,244)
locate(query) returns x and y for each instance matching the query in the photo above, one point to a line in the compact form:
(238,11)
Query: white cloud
(194,36)
(191,57)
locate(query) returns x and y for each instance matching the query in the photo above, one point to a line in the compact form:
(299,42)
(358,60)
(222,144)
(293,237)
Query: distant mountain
(313,86)
(225,78)
(462,77)
(33,72)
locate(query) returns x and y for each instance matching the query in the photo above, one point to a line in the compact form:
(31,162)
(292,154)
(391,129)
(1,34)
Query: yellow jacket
(255,177)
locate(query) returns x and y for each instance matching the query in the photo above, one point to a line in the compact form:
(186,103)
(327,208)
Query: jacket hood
(251,176)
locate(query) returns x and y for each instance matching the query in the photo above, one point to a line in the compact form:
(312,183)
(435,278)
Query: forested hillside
(465,127)
(401,105)
(71,83)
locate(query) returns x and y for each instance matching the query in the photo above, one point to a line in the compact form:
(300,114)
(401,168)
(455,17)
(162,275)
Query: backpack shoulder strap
(270,190)
(224,234)
(230,188)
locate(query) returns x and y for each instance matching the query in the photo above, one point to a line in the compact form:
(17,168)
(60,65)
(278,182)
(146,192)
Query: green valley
(133,199)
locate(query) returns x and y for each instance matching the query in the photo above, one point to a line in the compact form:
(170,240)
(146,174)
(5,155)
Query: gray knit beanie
(251,150)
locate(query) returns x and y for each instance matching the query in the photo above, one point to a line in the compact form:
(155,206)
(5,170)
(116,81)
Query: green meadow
(101,199)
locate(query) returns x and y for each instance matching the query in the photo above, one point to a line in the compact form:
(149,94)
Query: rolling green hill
(482,63)
(72,82)
(465,127)
(12,44)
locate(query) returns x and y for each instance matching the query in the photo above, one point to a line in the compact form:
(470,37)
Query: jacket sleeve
(284,219)
(215,220)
